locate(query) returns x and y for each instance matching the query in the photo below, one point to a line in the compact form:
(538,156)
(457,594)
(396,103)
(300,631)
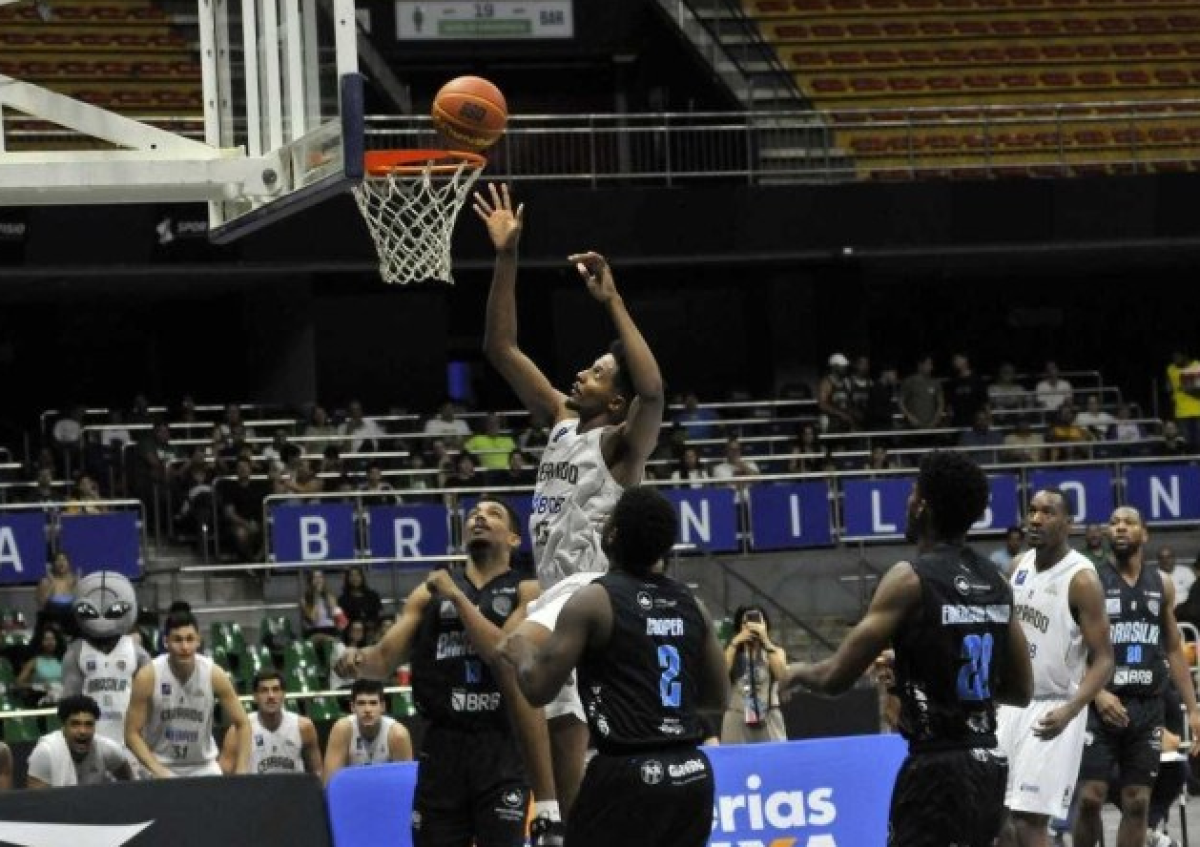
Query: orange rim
(380,163)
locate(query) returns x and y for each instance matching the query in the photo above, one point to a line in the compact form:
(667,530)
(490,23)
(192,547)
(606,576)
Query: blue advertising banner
(829,792)
(408,532)
(786,516)
(1164,492)
(707,517)
(312,532)
(108,542)
(22,547)
(1003,509)
(875,507)
(1088,489)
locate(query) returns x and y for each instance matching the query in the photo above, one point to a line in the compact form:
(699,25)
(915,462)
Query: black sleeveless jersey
(1135,621)
(641,691)
(949,657)
(451,684)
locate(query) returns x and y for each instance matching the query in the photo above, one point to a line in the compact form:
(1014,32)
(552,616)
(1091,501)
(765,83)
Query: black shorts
(1126,755)
(471,788)
(948,797)
(644,800)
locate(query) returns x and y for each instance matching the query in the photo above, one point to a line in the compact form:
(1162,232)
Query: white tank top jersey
(108,679)
(572,499)
(180,730)
(1042,605)
(367,752)
(278,751)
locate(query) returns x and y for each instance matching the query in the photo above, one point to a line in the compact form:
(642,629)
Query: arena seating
(931,63)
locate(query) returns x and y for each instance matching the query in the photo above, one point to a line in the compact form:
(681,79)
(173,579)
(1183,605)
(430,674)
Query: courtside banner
(1003,509)
(1164,493)
(312,532)
(108,542)
(875,508)
(707,517)
(829,792)
(408,532)
(22,547)
(234,811)
(787,516)
(1089,491)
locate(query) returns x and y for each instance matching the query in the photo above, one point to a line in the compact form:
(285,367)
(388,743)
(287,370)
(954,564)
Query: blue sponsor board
(707,517)
(1003,508)
(875,508)
(312,532)
(408,532)
(1089,491)
(22,547)
(107,542)
(784,517)
(1164,493)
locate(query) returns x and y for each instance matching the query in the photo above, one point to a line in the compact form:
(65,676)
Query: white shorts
(202,769)
(1041,774)
(544,612)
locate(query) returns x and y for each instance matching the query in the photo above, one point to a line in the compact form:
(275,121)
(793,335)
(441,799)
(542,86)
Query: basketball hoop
(410,200)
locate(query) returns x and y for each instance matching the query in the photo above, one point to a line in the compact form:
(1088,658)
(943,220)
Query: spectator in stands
(1014,540)
(1094,419)
(419,476)
(75,754)
(861,386)
(921,399)
(87,500)
(353,636)
(492,447)
(690,471)
(735,465)
(1182,578)
(368,736)
(376,489)
(331,466)
(1026,446)
(273,453)
(1067,439)
(1053,390)
(965,391)
(194,495)
(1183,381)
(756,666)
(698,421)
(319,432)
(833,396)
(980,437)
(362,435)
(303,481)
(1095,545)
(447,425)
(359,601)
(232,422)
(881,403)
(805,451)
(1126,432)
(43,488)
(1190,609)
(535,433)
(439,457)
(521,470)
(241,501)
(1005,393)
(879,459)
(1173,443)
(56,594)
(319,610)
(187,410)
(466,473)
(139,410)
(40,679)
(235,446)
(154,463)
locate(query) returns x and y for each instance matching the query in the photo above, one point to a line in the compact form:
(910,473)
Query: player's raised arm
(379,660)
(638,435)
(504,226)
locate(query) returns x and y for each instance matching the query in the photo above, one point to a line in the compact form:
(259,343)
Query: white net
(411,217)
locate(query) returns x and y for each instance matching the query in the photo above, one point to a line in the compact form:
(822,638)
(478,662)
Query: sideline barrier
(829,792)
(236,811)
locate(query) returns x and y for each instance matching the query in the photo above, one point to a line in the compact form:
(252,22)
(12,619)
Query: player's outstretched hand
(1054,722)
(347,664)
(503,223)
(596,273)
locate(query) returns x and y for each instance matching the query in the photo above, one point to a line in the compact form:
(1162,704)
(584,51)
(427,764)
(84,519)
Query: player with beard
(948,616)
(1060,605)
(602,435)
(1125,720)
(470,780)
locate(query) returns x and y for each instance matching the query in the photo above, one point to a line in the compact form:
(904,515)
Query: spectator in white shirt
(1053,390)
(1094,419)
(1182,577)
(446,424)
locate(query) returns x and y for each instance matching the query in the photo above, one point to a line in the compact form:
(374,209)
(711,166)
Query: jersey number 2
(973,676)
(670,691)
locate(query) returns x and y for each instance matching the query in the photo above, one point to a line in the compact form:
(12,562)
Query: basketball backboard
(282,113)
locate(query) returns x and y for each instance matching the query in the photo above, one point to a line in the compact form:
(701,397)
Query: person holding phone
(756,665)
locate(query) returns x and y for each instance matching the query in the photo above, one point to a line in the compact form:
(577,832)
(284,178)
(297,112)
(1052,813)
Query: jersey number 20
(973,675)
(670,691)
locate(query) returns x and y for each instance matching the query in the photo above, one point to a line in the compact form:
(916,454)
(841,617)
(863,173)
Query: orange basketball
(470,111)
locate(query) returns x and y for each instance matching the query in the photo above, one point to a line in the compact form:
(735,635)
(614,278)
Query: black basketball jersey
(1135,622)
(950,655)
(640,692)
(451,684)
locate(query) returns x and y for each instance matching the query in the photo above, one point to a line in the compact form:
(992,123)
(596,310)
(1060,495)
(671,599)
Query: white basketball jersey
(574,495)
(108,679)
(1042,605)
(179,729)
(364,751)
(278,751)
